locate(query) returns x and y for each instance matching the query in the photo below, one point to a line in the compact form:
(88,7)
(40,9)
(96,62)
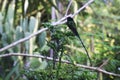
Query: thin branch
(22,40)
(68,7)
(49,58)
(34,34)
(84,6)
(62,20)
(103,64)
(63,61)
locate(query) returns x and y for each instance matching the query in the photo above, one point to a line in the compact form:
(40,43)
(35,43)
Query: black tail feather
(85,49)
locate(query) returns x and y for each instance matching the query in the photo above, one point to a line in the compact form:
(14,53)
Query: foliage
(66,72)
(98,26)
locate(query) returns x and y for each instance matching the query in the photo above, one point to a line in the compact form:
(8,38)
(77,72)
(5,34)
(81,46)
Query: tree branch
(63,61)
(104,63)
(84,6)
(36,33)
(70,2)
(22,40)
(62,20)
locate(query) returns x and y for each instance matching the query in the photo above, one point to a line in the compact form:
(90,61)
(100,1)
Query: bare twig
(49,58)
(103,64)
(84,6)
(62,20)
(36,33)
(63,61)
(22,40)
(68,7)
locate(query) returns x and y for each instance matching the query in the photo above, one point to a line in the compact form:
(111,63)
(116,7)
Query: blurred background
(97,24)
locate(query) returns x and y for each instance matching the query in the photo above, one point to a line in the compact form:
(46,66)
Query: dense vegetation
(97,24)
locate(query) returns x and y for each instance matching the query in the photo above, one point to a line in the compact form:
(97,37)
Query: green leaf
(1,17)
(35,63)
(19,33)
(41,39)
(27,45)
(32,24)
(24,24)
(1,25)
(4,39)
(43,65)
(8,77)
(10,17)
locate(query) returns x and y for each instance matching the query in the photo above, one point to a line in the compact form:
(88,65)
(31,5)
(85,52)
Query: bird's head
(69,19)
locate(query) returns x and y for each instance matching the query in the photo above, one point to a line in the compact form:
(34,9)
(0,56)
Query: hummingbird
(72,26)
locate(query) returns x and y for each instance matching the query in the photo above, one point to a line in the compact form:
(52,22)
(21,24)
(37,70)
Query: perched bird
(72,26)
